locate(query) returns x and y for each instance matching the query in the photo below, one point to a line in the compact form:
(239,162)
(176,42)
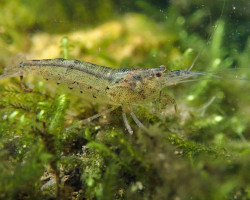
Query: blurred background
(201,153)
(154,32)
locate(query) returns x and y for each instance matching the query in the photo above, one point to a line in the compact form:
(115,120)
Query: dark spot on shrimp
(142,93)
(137,77)
(107,88)
(21,65)
(94,96)
(58,83)
(90,87)
(60,59)
(75,82)
(176,72)
(113,94)
(44,60)
(119,80)
(81,92)
(77,61)
(46,79)
(70,88)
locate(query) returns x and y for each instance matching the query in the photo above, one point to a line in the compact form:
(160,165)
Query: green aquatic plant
(200,152)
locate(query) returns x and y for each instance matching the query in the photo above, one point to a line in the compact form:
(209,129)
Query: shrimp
(123,88)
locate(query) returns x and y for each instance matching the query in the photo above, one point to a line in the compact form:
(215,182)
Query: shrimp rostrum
(123,88)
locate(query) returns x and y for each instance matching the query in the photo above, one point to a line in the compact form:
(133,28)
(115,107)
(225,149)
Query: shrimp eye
(158,74)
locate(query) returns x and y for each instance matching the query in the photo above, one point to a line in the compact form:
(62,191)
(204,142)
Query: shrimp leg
(138,122)
(98,115)
(125,120)
(85,121)
(24,88)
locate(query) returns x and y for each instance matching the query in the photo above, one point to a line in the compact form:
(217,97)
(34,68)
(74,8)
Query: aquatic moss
(199,152)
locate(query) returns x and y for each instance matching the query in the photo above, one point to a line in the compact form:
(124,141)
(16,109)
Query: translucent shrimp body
(117,87)
(102,84)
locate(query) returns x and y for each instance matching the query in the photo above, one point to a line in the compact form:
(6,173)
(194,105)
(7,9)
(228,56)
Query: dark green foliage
(200,152)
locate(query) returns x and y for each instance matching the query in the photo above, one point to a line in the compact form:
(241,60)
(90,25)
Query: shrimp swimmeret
(118,87)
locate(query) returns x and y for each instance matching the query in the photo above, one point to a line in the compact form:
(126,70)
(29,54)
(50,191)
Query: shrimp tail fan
(13,68)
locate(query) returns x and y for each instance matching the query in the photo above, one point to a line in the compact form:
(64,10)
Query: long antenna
(196,58)
(209,38)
